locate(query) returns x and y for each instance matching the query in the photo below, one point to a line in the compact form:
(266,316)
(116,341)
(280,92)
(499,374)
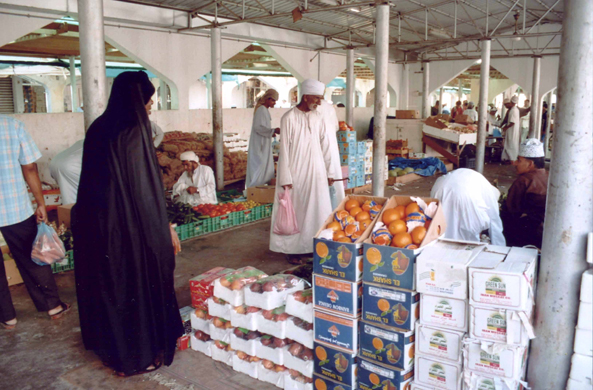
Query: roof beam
(543,16)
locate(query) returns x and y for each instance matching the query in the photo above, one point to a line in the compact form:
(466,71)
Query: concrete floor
(46,354)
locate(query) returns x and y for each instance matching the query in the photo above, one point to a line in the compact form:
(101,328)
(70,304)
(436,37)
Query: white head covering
(531,148)
(506,101)
(189,156)
(470,105)
(515,99)
(312,87)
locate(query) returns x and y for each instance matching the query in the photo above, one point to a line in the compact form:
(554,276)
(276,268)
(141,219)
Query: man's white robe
(260,163)
(203,179)
(305,162)
(513,136)
(332,125)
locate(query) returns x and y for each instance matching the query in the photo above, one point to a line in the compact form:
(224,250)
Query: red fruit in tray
(268,286)
(268,364)
(268,314)
(279,343)
(242,355)
(256,288)
(295,349)
(237,285)
(279,368)
(201,314)
(254,359)
(282,285)
(228,325)
(252,309)
(201,335)
(266,341)
(224,282)
(306,354)
(309,299)
(241,309)
(218,301)
(307,379)
(282,317)
(218,323)
(294,373)
(239,333)
(251,335)
(220,344)
(297,321)
(298,296)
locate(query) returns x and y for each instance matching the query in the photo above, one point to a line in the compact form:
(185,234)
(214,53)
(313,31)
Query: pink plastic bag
(286,223)
(47,248)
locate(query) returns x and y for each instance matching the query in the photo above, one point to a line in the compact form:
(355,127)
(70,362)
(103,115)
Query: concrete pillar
(569,208)
(350,87)
(92,59)
(425,95)
(535,117)
(217,127)
(483,105)
(162,96)
(209,90)
(441,99)
(549,124)
(406,86)
(73,85)
(382,62)
(460,91)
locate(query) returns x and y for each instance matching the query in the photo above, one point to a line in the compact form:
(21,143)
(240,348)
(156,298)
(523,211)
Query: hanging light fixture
(516,33)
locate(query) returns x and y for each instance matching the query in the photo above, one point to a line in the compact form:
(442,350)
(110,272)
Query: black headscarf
(124,254)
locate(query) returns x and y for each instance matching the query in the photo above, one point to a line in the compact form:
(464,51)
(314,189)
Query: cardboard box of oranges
(335,364)
(397,309)
(390,253)
(340,332)
(372,376)
(321,383)
(394,349)
(337,296)
(351,222)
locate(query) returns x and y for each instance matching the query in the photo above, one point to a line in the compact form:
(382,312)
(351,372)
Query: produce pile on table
(182,214)
(176,142)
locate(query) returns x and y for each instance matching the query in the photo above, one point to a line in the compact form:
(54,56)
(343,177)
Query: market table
(430,135)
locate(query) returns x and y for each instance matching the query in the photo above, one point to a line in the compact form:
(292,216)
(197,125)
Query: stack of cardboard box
(352,158)
(581,372)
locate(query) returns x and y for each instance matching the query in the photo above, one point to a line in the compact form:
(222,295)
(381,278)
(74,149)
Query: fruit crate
(67,266)
(190,230)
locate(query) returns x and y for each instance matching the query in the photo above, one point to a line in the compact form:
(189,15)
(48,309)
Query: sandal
(65,308)
(295,260)
(7,326)
(153,367)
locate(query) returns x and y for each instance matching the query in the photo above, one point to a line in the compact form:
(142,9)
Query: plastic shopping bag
(286,223)
(47,248)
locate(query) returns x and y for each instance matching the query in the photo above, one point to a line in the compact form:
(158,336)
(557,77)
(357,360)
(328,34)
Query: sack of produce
(47,247)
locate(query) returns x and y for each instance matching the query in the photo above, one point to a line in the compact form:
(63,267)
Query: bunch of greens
(181,214)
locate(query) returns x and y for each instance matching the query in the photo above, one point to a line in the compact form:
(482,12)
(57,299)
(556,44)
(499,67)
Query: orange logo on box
(334,331)
(333,296)
(400,263)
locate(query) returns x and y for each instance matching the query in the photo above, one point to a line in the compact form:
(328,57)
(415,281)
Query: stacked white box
(581,373)
(441,278)
(502,294)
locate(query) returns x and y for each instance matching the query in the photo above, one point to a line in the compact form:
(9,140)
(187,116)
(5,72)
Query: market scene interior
(296,194)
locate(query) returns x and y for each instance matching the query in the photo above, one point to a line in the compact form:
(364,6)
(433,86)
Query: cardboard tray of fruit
(273,322)
(300,304)
(219,308)
(222,352)
(299,358)
(245,364)
(221,329)
(245,317)
(201,342)
(244,340)
(200,321)
(296,381)
(230,287)
(270,292)
(271,348)
(271,373)
(300,331)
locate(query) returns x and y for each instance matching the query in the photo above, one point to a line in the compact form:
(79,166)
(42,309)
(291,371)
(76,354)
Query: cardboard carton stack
(337,300)
(351,156)
(581,372)
(501,298)
(442,281)
(391,308)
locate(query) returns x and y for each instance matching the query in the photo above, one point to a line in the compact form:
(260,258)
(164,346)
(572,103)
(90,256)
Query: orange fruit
(373,256)
(364,224)
(363,216)
(366,206)
(344,239)
(418,234)
(411,351)
(339,234)
(401,240)
(334,225)
(412,208)
(354,211)
(401,210)
(356,235)
(377,343)
(374,378)
(321,250)
(349,230)
(320,384)
(390,216)
(397,226)
(351,203)
(321,353)
(383,304)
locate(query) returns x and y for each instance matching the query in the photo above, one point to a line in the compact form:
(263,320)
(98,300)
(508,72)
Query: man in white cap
(471,112)
(525,207)
(332,125)
(305,170)
(512,132)
(196,185)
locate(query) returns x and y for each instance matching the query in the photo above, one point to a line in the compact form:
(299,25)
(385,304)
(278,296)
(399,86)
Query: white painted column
(535,114)
(548,124)
(217,127)
(350,87)
(569,209)
(425,96)
(460,91)
(406,86)
(163,95)
(92,59)
(73,85)
(441,99)
(483,105)
(382,62)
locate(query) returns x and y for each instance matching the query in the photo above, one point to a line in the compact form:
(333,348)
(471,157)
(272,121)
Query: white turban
(515,99)
(506,101)
(189,156)
(531,148)
(312,87)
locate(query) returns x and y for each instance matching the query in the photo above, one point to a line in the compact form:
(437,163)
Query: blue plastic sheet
(428,166)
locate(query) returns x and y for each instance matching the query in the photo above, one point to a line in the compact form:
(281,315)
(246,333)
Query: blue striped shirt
(16,148)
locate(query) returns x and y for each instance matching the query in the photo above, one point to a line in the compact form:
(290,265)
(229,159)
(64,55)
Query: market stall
(455,135)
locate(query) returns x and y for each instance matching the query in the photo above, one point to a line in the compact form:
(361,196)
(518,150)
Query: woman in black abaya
(125,249)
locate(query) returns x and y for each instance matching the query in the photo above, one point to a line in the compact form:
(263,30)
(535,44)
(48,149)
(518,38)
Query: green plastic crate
(67,266)
(189,230)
